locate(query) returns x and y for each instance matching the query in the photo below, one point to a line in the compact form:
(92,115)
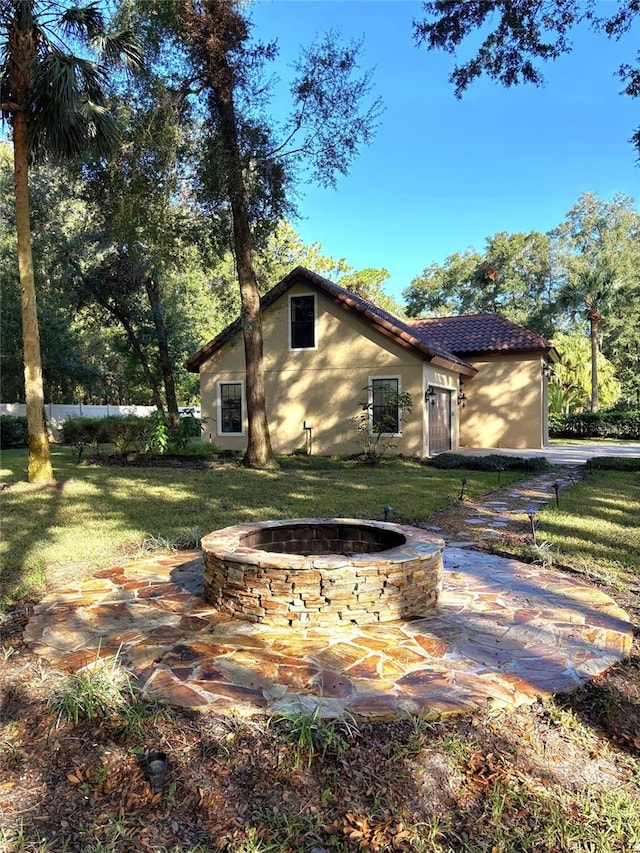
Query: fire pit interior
(321,571)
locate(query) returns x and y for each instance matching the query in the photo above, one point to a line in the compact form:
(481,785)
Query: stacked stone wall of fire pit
(322,571)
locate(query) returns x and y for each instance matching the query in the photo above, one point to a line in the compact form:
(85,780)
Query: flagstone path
(504,633)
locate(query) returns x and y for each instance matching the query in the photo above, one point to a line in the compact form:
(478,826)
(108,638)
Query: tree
(519,34)
(598,250)
(55,103)
(514,277)
(571,386)
(596,288)
(140,207)
(245,165)
(115,284)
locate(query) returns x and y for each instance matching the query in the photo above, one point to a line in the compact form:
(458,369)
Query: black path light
(463,481)
(499,469)
(156,769)
(386,509)
(556,489)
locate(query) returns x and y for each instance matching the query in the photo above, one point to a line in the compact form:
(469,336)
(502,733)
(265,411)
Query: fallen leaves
(79,775)
(376,834)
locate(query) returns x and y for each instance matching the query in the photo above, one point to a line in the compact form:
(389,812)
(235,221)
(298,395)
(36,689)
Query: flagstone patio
(504,633)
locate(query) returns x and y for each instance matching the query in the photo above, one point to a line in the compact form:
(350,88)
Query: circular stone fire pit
(322,571)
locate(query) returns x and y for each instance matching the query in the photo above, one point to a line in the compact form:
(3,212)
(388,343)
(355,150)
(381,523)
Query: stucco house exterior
(476,381)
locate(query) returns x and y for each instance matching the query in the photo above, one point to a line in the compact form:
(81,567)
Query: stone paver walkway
(504,633)
(504,512)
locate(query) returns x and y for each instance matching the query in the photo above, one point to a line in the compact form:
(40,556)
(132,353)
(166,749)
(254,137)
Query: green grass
(595,529)
(97,515)
(99,690)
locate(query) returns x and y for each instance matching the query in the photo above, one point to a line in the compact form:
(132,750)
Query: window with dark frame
(385,414)
(231,407)
(303,322)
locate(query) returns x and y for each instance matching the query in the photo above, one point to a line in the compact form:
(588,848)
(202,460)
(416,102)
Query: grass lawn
(559,776)
(596,528)
(97,515)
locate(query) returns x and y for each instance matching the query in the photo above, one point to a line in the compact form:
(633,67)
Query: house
(476,381)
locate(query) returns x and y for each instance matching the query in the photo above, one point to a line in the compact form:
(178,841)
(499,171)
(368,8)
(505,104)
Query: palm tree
(596,287)
(56,105)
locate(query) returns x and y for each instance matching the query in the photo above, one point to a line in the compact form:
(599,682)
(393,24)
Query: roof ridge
(446,345)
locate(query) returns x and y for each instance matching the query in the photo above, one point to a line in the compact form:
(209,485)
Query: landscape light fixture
(156,769)
(386,510)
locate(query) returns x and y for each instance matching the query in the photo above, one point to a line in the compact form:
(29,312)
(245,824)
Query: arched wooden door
(439,421)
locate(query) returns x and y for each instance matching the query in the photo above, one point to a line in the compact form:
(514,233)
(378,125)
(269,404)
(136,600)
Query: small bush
(124,433)
(623,424)
(490,462)
(128,433)
(191,425)
(13,431)
(614,463)
(81,433)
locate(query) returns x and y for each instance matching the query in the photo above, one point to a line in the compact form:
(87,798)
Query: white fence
(57,413)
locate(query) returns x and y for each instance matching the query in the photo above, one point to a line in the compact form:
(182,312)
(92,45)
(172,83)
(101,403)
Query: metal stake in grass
(464,483)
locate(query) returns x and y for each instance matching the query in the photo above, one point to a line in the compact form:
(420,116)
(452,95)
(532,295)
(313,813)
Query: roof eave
(549,352)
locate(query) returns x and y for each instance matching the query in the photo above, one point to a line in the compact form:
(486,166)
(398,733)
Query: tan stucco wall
(506,405)
(322,387)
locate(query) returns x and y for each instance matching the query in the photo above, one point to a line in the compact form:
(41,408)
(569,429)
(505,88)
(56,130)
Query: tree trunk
(259,453)
(153,295)
(594,320)
(218,30)
(39,467)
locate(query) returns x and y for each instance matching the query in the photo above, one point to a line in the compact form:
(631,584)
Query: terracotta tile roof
(388,324)
(478,333)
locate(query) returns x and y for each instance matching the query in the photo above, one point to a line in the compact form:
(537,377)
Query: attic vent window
(302,312)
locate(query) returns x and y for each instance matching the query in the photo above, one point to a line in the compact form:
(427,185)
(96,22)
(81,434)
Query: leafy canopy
(516,36)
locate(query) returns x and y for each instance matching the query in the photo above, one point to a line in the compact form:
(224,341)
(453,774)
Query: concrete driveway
(564,454)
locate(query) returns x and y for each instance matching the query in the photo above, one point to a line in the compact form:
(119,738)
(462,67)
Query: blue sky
(443,174)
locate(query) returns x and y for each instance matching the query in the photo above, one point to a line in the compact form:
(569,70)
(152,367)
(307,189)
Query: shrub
(614,463)
(490,462)
(190,424)
(123,432)
(612,423)
(84,432)
(128,432)
(13,431)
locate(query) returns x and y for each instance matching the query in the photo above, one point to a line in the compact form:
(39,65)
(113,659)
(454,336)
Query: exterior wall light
(430,395)
(462,397)
(547,370)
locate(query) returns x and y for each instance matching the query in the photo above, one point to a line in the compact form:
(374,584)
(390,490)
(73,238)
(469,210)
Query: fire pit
(322,571)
